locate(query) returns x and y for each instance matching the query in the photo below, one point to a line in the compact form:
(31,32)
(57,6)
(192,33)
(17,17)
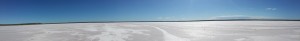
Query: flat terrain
(156,31)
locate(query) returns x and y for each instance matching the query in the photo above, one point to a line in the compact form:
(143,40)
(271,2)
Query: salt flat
(156,31)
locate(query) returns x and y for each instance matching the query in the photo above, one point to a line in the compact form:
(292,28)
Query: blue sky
(27,11)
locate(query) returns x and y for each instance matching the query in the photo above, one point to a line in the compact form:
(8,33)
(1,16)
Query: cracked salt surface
(156,31)
(170,37)
(115,34)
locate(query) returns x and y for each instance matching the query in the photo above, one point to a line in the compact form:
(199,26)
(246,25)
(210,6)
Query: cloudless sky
(27,11)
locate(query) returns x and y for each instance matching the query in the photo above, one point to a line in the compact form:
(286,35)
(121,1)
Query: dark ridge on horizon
(153,21)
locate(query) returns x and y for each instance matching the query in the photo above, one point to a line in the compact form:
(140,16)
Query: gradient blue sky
(27,11)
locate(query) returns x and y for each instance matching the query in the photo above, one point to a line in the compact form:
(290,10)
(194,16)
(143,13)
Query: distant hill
(251,20)
(20,24)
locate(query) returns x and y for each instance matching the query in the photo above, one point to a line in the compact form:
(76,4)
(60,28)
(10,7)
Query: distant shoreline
(152,21)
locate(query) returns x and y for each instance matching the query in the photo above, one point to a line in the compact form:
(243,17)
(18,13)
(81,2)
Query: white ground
(156,31)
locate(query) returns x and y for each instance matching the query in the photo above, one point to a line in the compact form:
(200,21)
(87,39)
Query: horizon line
(152,21)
